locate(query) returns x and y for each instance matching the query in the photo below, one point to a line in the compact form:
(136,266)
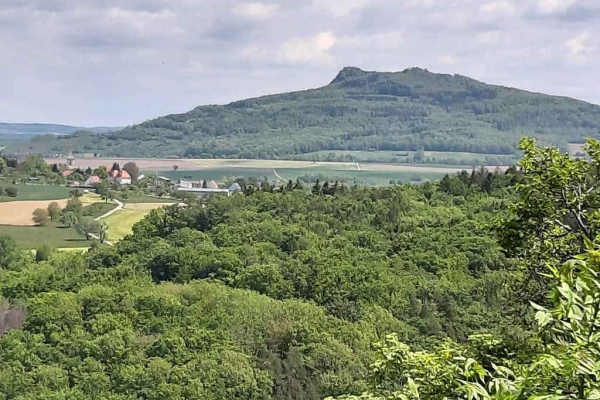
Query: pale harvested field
(145,164)
(166,164)
(19,212)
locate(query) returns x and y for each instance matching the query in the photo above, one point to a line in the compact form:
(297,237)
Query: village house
(92,180)
(119,177)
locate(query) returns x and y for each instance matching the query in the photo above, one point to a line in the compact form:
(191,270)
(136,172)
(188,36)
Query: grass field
(37,192)
(120,223)
(32,237)
(90,198)
(96,210)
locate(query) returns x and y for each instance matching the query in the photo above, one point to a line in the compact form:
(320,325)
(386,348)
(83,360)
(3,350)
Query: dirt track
(19,212)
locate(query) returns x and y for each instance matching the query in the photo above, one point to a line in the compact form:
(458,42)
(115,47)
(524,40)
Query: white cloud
(498,8)
(255,53)
(341,8)
(554,6)
(489,37)
(312,49)
(391,40)
(580,47)
(256,11)
(448,60)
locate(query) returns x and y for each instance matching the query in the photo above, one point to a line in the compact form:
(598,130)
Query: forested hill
(409,110)
(45,129)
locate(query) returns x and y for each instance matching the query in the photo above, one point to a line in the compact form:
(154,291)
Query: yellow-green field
(90,198)
(120,224)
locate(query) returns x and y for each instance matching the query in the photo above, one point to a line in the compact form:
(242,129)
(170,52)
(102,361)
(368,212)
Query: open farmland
(32,237)
(19,212)
(36,192)
(367,173)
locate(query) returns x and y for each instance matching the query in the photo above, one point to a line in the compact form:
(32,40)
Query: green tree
(43,253)
(40,216)
(101,172)
(69,218)
(88,226)
(9,252)
(133,170)
(557,207)
(54,211)
(102,232)
(76,193)
(74,205)
(103,189)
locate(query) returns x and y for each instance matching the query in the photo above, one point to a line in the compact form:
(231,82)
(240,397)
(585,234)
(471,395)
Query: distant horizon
(120,126)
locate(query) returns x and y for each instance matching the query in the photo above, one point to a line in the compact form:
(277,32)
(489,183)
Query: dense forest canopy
(403,111)
(404,292)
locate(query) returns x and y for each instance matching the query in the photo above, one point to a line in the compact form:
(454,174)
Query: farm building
(120,177)
(92,180)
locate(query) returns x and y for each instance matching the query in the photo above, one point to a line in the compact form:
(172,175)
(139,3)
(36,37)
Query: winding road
(119,207)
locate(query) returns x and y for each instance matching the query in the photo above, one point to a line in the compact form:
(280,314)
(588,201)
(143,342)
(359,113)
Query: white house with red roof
(120,177)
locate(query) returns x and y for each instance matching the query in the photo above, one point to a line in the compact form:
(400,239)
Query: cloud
(448,60)
(392,40)
(256,11)
(498,8)
(341,8)
(554,6)
(580,48)
(102,62)
(312,49)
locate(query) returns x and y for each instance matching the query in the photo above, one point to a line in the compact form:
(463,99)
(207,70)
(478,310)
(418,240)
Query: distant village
(122,177)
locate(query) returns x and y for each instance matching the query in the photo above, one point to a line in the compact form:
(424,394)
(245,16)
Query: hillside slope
(46,129)
(359,110)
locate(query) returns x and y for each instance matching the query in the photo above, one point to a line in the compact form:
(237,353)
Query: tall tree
(133,170)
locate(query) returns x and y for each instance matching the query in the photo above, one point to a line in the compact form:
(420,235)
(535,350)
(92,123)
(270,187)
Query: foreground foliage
(282,293)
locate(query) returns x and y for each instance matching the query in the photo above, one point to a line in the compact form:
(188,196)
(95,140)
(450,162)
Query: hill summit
(359,110)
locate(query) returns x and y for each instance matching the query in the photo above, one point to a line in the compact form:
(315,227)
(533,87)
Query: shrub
(43,253)
(40,216)
(12,191)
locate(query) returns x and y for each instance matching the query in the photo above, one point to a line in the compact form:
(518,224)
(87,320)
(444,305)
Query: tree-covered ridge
(409,110)
(332,270)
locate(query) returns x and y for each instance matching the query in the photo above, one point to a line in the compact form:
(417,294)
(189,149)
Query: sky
(119,62)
